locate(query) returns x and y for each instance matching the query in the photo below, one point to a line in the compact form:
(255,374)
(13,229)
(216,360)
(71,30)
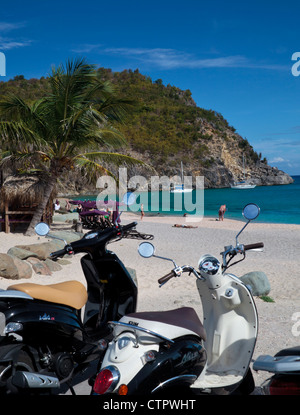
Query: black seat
(291,351)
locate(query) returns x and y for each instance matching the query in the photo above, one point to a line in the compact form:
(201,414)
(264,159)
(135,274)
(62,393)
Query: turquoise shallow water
(278,204)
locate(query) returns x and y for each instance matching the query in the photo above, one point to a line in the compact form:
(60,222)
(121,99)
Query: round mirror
(251,211)
(129,198)
(42,229)
(146,249)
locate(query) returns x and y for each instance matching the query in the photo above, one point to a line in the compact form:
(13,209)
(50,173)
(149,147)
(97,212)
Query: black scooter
(44,341)
(285,370)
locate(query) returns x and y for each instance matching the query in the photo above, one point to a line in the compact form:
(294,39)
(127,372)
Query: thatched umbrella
(20,194)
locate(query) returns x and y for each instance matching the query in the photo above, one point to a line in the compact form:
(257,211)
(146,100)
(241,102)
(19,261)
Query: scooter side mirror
(42,229)
(251,211)
(146,249)
(129,198)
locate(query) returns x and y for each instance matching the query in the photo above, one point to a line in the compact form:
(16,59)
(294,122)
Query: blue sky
(234,56)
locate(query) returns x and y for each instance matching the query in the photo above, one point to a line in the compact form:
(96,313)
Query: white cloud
(6,27)
(7,44)
(165,58)
(278,160)
(87,48)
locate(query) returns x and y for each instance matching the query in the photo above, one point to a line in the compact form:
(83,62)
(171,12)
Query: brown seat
(71,293)
(185,317)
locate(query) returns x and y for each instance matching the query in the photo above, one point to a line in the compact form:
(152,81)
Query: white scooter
(163,351)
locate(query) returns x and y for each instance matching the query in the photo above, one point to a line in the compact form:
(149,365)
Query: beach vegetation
(74,125)
(267,299)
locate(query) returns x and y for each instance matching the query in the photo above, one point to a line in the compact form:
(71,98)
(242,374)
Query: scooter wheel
(24,363)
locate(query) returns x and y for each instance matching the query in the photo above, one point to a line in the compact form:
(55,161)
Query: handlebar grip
(61,252)
(166,277)
(254,246)
(129,226)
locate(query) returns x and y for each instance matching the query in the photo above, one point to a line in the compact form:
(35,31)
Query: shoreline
(206,220)
(190,217)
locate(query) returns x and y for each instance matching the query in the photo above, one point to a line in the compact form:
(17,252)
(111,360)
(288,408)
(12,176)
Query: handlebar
(230,250)
(254,246)
(126,228)
(166,277)
(93,241)
(233,251)
(58,253)
(176,272)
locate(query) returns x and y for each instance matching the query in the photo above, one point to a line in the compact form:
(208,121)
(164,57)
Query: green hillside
(166,127)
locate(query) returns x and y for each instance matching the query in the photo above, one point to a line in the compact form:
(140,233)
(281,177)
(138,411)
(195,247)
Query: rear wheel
(24,363)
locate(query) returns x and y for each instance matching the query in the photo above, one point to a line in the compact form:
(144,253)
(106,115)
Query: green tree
(74,125)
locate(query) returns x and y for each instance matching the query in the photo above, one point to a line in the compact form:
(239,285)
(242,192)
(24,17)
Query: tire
(24,362)
(247,386)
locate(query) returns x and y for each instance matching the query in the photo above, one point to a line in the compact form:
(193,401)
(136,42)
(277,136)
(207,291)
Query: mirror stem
(236,238)
(167,259)
(56,237)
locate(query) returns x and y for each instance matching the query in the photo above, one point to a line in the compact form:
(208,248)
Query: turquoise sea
(278,204)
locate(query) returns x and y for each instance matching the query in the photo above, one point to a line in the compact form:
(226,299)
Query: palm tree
(70,127)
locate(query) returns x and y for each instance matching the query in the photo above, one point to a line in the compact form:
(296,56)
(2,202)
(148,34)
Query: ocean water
(278,204)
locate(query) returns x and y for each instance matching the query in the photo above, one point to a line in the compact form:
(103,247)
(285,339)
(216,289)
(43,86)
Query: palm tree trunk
(37,216)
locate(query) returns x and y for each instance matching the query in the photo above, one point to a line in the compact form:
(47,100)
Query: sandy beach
(279,260)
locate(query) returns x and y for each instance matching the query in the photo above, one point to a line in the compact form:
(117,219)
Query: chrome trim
(12,327)
(15,294)
(277,364)
(191,378)
(152,333)
(34,380)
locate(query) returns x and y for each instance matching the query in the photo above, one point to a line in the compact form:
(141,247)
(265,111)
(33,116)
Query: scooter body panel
(182,361)
(112,292)
(42,321)
(231,324)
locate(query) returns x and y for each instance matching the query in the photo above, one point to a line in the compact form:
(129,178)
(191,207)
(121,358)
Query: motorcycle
(165,351)
(44,340)
(285,366)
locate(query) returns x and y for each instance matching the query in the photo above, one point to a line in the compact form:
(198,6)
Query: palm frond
(19,132)
(93,169)
(116,159)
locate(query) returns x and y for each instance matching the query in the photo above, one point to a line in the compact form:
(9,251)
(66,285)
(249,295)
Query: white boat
(180,187)
(243,184)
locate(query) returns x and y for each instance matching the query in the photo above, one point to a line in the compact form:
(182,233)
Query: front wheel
(247,385)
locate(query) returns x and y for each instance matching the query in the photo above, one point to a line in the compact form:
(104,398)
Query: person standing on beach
(56,205)
(142,211)
(222,211)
